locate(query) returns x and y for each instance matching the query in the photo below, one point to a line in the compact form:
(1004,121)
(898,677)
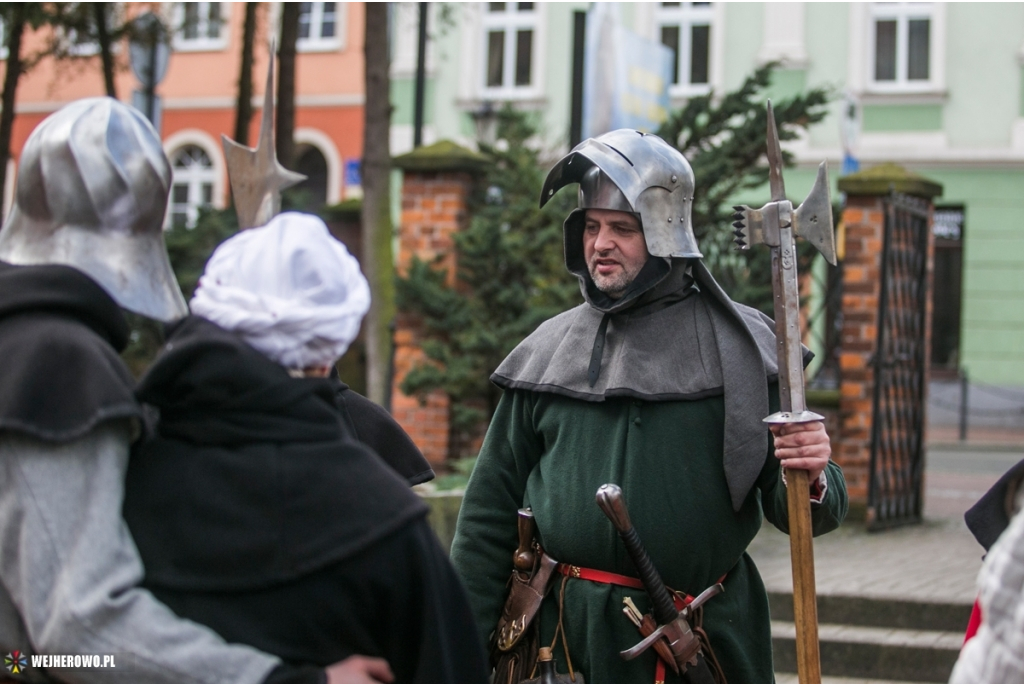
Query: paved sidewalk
(938,560)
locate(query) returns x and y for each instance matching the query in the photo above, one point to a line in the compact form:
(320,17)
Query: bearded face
(615,249)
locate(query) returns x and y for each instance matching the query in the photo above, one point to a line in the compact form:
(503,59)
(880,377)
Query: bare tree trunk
(100,12)
(378,263)
(285,131)
(243,107)
(15,19)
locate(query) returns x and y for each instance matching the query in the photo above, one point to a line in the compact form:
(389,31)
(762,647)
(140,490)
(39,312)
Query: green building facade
(935,87)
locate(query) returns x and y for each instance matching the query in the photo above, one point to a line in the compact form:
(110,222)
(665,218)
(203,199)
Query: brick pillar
(435,189)
(861,253)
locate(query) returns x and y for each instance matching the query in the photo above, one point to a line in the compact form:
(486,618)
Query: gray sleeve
(69,566)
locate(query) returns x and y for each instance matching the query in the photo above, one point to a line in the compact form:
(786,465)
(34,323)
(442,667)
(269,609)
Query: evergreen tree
(510,277)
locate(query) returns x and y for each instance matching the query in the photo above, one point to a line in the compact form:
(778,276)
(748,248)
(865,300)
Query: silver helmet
(634,172)
(91,194)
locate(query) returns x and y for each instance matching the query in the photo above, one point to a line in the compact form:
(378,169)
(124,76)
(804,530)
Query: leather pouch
(514,642)
(525,595)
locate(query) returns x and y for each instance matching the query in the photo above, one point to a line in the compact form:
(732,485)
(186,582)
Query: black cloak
(991,514)
(373,426)
(256,515)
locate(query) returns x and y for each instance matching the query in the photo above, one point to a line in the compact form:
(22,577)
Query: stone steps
(875,639)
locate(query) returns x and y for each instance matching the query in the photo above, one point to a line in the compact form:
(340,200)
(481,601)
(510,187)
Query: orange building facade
(199,92)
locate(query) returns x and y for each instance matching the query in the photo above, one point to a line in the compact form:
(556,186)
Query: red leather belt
(592,574)
(608,578)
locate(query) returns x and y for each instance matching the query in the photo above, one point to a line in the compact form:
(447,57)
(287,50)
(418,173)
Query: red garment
(974,623)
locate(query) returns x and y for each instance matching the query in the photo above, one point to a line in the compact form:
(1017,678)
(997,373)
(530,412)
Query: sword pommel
(609,498)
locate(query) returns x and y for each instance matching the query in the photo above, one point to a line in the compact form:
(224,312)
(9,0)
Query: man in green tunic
(658,383)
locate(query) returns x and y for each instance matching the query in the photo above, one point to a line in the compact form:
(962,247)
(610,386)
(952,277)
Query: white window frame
(74,48)
(216,175)
(198,178)
(202,43)
(902,13)
(510,23)
(69,41)
(685,17)
(325,145)
(319,43)
(404,46)
(783,38)
(861,60)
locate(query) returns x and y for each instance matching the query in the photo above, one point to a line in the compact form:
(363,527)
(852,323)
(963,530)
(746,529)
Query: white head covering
(289,288)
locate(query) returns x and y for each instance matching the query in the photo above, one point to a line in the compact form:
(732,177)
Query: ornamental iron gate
(897,427)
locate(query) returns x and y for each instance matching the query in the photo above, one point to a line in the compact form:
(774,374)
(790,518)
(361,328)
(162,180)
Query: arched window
(311,194)
(192,186)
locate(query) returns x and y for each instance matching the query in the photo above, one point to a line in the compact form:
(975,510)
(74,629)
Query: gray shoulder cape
(683,339)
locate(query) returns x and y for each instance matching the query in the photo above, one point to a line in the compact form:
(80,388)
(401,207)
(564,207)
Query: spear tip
(775,182)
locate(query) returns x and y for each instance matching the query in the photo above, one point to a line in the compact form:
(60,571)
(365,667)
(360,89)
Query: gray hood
(677,336)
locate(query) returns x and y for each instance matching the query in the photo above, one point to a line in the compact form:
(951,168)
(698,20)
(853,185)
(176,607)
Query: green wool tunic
(552,453)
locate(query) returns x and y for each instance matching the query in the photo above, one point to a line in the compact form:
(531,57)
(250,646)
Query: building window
(901,34)
(685,28)
(200,26)
(191,187)
(76,33)
(509,31)
(310,195)
(320,26)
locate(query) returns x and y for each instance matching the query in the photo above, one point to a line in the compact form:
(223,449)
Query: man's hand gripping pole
(776,224)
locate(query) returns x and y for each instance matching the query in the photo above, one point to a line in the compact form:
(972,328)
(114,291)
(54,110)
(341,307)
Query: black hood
(59,337)
(62,291)
(991,515)
(214,389)
(249,480)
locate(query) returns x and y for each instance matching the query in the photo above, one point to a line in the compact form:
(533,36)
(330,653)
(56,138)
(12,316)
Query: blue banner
(626,77)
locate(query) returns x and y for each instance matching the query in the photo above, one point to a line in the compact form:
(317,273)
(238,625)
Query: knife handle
(524,557)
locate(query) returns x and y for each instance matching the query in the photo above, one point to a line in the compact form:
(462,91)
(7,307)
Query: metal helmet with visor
(635,172)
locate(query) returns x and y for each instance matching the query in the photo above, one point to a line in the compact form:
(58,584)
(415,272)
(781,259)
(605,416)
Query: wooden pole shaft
(805,607)
(793,406)
(778,233)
